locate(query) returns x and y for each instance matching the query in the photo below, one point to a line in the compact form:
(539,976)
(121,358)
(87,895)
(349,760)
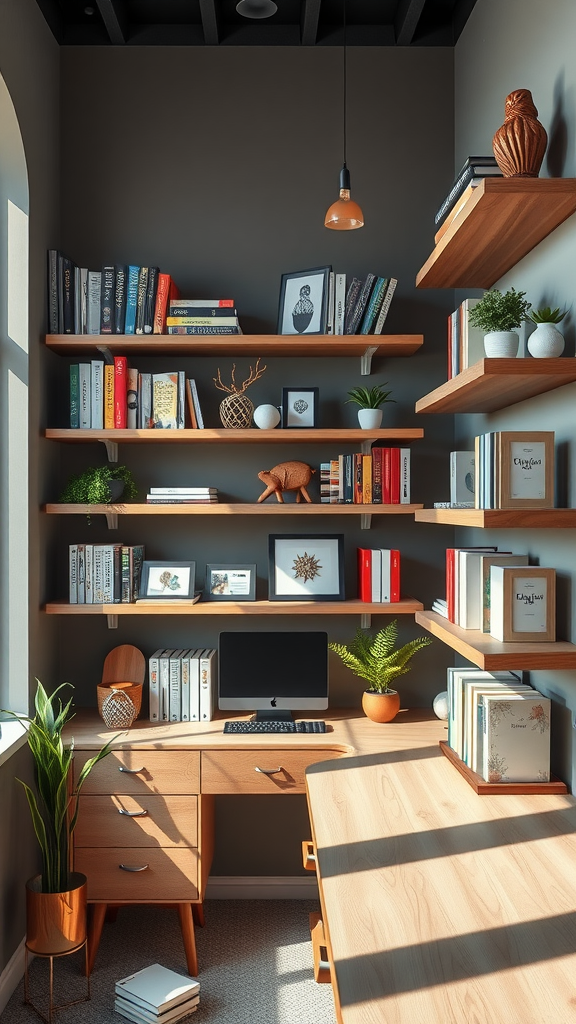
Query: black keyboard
(244,727)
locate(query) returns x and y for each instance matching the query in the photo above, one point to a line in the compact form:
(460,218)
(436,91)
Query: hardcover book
(154,685)
(516,738)
(120,288)
(150,299)
(93,302)
(361,304)
(208,684)
(379,326)
(157,989)
(107,301)
(131,300)
(165,400)
(462,479)
(522,603)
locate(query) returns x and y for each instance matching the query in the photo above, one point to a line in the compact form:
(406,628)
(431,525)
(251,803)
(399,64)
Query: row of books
(465,343)
(378,575)
(468,584)
(112,395)
(104,573)
(183,685)
(380,478)
(514,469)
(187,316)
(473,171)
(499,726)
(365,307)
(156,995)
(182,496)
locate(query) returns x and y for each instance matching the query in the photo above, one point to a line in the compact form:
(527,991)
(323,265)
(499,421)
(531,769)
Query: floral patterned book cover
(516,738)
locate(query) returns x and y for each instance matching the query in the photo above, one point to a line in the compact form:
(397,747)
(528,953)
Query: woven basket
(236,411)
(119,703)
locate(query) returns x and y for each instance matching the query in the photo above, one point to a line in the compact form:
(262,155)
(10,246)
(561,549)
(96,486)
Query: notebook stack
(156,995)
(182,495)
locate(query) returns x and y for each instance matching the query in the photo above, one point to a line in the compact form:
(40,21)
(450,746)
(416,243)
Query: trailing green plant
(54,807)
(545,315)
(92,487)
(370,398)
(500,311)
(376,658)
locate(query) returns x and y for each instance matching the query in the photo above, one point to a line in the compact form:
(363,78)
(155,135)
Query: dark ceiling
(217,22)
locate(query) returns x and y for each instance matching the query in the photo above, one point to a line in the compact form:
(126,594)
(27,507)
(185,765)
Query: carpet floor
(255,959)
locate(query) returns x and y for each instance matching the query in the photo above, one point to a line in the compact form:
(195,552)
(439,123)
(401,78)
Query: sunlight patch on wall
(18,276)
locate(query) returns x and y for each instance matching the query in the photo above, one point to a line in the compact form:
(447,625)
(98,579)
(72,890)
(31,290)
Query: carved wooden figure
(286,476)
(520,143)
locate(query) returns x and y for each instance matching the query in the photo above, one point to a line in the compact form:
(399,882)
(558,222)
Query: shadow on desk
(373,760)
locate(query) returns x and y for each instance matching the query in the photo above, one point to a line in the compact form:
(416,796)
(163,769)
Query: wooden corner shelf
(492,384)
(483,788)
(500,518)
(237,509)
(487,653)
(230,436)
(501,222)
(406,606)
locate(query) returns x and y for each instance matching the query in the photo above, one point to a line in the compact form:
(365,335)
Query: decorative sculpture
(286,476)
(520,143)
(236,410)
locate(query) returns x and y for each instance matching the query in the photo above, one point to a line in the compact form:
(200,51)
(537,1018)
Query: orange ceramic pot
(381,707)
(55,921)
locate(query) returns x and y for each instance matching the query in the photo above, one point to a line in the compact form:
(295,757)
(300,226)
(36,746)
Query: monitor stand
(274,715)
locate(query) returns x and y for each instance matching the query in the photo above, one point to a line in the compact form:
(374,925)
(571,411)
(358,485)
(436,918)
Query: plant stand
(51,957)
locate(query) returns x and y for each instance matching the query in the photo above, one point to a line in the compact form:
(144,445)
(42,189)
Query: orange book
(367,479)
(166,293)
(358,478)
(108,396)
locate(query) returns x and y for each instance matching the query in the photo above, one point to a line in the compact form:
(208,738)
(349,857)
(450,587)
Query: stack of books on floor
(203,316)
(378,575)
(182,496)
(114,396)
(156,995)
(183,685)
(104,573)
(380,478)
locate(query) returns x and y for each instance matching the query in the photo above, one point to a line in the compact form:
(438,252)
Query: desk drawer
(154,771)
(168,821)
(169,874)
(235,771)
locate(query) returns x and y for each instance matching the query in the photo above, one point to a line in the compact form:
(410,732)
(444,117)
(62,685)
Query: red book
(395,476)
(394,575)
(386,465)
(376,476)
(365,574)
(120,392)
(358,490)
(166,293)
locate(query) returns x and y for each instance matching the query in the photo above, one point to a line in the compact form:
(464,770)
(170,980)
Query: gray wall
(531,46)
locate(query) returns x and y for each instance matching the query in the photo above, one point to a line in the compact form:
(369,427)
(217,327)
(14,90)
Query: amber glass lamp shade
(344,214)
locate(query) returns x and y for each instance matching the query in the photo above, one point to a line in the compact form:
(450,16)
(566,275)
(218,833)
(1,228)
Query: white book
(208,685)
(476,747)
(134,1013)
(89,573)
(165,685)
(98,579)
(185,491)
(385,586)
(81,574)
(196,402)
(145,401)
(157,989)
(154,685)
(404,476)
(478,677)
(462,478)
(195,684)
(93,305)
(83,300)
(472,337)
(516,738)
(176,686)
(455,679)
(84,375)
(201,303)
(486,563)
(97,394)
(132,398)
(376,574)
(185,685)
(469,595)
(385,305)
(73,573)
(330,309)
(339,302)
(441,608)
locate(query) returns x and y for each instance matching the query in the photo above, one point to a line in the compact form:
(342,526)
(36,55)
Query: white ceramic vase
(370,419)
(546,342)
(501,344)
(266,417)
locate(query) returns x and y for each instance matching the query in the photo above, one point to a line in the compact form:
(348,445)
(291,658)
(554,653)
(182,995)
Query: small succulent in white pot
(546,342)
(369,401)
(499,315)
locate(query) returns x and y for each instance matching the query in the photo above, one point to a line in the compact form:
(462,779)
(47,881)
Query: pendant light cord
(344,74)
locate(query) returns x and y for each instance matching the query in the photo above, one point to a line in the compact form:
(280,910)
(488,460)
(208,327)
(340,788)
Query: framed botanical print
(306,567)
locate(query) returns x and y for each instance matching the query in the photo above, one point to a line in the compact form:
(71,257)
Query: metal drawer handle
(269,771)
(130,771)
(126,867)
(132,814)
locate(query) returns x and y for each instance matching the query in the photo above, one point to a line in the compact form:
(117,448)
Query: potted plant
(370,400)
(380,662)
(99,485)
(546,341)
(499,315)
(56,899)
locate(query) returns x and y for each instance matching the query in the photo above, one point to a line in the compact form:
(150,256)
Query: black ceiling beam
(309,22)
(406,21)
(53,17)
(210,22)
(462,11)
(113,14)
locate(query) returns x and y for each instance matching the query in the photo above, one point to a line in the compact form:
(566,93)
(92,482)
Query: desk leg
(187,926)
(198,914)
(95,931)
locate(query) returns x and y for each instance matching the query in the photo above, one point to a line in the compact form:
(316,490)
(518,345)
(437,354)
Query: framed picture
(304,302)
(230,582)
(526,469)
(300,407)
(168,580)
(522,603)
(306,567)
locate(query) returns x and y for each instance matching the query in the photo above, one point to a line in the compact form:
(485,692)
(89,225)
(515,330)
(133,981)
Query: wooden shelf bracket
(366,360)
(111,449)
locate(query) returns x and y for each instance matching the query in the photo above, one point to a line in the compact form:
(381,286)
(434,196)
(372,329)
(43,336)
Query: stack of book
(367,304)
(465,343)
(203,316)
(114,396)
(183,685)
(378,575)
(156,995)
(473,171)
(514,469)
(104,573)
(380,478)
(114,300)
(182,496)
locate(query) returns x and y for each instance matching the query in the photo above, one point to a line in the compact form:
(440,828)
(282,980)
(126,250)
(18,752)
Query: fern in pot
(500,315)
(370,401)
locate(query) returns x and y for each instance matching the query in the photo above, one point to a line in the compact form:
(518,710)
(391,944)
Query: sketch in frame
(168,580)
(226,582)
(304,302)
(306,567)
(300,407)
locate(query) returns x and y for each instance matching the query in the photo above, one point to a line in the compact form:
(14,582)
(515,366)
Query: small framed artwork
(522,603)
(230,582)
(304,302)
(168,580)
(526,469)
(306,567)
(300,407)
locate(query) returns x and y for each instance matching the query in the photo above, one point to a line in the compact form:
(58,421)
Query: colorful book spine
(132,398)
(334,481)
(125,575)
(395,476)
(185,686)
(394,575)
(325,482)
(166,293)
(358,495)
(97,395)
(386,476)
(131,300)
(200,330)
(120,392)
(109,396)
(145,420)
(154,685)
(365,574)
(107,301)
(141,299)
(150,300)
(85,413)
(200,303)
(377,476)
(74,396)
(367,479)
(385,305)
(120,289)
(374,305)
(73,574)
(361,304)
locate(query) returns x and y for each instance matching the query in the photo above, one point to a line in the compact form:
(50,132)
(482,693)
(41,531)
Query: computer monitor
(272,672)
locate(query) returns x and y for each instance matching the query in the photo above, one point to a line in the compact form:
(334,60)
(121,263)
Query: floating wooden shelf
(500,518)
(230,436)
(483,788)
(487,653)
(407,606)
(496,383)
(503,219)
(221,509)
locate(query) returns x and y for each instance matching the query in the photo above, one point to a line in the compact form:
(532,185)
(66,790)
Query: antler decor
(236,410)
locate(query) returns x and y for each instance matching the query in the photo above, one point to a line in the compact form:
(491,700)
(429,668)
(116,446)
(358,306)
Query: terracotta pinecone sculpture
(520,143)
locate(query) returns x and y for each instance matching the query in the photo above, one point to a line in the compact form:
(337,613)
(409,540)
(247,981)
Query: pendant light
(344,214)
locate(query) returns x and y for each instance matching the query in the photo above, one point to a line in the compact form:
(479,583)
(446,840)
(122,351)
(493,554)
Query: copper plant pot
(380,707)
(55,921)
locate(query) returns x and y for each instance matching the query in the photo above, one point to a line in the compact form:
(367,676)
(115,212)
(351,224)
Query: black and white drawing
(300,407)
(303,302)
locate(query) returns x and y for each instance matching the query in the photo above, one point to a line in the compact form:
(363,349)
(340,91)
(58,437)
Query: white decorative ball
(266,417)
(440,705)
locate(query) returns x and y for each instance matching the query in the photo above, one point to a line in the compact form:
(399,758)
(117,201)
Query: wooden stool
(187,912)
